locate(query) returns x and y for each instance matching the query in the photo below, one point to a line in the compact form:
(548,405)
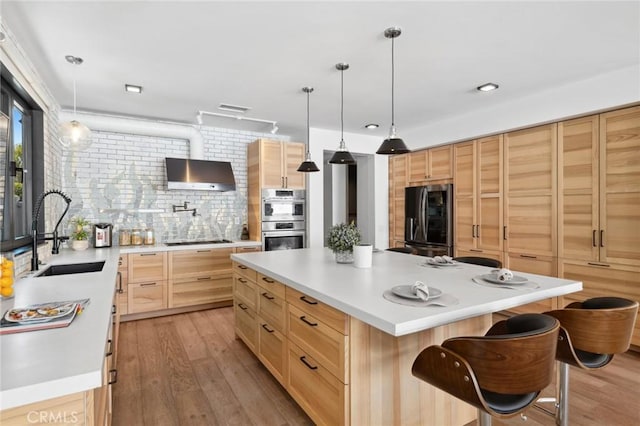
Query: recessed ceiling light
(371,126)
(133,88)
(487,87)
(233,108)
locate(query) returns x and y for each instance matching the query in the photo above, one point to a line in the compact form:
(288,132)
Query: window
(20,169)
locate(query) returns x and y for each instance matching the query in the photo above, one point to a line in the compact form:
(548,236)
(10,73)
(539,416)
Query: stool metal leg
(562,412)
(484,418)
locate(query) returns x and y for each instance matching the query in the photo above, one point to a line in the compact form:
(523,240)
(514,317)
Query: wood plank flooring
(189,369)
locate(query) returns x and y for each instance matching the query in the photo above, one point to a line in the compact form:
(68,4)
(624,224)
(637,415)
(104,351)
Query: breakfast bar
(355,346)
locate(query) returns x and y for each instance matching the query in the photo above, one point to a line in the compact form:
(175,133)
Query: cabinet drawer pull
(602,238)
(148,254)
(120,289)
(242,267)
(477,231)
(598,264)
(528,256)
(114,310)
(267,328)
(242,306)
(476,250)
(204,251)
(204,278)
(147,284)
(242,280)
(310,302)
(113,376)
(110,346)
(304,319)
(305,362)
(504,232)
(267,296)
(268,280)
(473,231)
(593,239)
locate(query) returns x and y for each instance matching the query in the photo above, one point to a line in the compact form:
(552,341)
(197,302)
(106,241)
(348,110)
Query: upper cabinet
(478,196)
(599,188)
(430,164)
(530,214)
(277,163)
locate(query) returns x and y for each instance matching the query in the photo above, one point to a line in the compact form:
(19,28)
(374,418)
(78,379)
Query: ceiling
(192,56)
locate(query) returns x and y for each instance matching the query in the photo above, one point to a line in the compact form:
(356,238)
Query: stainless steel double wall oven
(283,219)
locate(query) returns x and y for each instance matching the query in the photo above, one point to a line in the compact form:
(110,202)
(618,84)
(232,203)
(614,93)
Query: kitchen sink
(189,242)
(72,268)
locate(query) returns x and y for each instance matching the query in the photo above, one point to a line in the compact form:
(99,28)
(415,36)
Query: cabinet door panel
(246,325)
(146,297)
(293,157)
(620,158)
(530,225)
(464,222)
(145,267)
(579,227)
(272,350)
(398,173)
(440,160)
(271,167)
(489,232)
(530,160)
(200,290)
(490,165)
(193,263)
(418,166)
(621,229)
(464,169)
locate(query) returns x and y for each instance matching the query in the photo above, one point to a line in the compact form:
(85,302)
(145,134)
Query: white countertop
(358,292)
(165,247)
(39,365)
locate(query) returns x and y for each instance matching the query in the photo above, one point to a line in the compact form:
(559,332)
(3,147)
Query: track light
(274,129)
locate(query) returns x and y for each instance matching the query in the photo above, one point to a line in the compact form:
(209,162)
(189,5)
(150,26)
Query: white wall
(321,140)
(606,91)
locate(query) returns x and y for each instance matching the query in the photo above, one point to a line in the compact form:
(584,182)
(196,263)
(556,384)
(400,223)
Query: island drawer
(246,325)
(323,397)
(271,285)
(272,349)
(246,290)
(245,271)
(332,317)
(272,308)
(325,344)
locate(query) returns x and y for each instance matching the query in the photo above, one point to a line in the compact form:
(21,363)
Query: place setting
(419,294)
(440,262)
(504,278)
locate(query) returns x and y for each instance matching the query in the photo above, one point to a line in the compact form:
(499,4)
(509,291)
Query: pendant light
(342,155)
(307,165)
(393,144)
(73,134)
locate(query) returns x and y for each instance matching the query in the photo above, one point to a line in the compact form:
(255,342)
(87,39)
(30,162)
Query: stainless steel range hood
(202,175)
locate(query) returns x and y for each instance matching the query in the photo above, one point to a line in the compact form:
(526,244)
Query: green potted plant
(79,235)
(342,238)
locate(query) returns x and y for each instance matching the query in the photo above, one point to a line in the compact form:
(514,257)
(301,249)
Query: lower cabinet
(146,297)
(200,290)
(272,350)
(534,264)
(246,324)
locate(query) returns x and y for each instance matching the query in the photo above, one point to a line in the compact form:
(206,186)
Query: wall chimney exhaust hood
(199,175)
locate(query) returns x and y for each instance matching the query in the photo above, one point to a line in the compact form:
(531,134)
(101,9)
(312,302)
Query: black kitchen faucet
(54,235)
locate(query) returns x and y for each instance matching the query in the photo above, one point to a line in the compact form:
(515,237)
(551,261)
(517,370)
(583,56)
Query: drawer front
(272,350)
(272,309)
(245,271)
(246,290)
(145,297)
(246,325)
(323,397)
(200,290)
(330,316)
(271,285)
(325,344)
(145,267)
(190,263)
(248,249)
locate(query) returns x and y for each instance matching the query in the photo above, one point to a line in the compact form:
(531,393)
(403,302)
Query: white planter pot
(80,244)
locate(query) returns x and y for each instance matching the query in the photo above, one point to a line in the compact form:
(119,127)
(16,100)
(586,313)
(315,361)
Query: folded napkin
(504,274)
(421,290)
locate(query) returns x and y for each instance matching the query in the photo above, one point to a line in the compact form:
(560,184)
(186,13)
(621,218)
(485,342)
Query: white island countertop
(358,292)
(43,364)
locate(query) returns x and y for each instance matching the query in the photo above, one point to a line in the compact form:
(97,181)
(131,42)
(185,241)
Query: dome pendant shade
(308,166)
(391,146)
(75,135)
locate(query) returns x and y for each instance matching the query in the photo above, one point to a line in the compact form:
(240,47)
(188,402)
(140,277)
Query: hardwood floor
(189,369)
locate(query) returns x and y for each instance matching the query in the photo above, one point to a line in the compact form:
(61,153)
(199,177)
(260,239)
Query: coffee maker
(102,233)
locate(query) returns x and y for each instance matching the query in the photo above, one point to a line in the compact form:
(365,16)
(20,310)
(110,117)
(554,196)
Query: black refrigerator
(429,219)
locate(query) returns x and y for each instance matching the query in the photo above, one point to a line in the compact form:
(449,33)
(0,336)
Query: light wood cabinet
(599,279)
(478,209)
(245,305)
(246,324)
(200,276)
(530,191)
(146,297)
(397,183)
(246,290)
(430,164)
(541,265)
(250,249)
(278,163)
(147,289)
(148,266)
(272,349)
(122,284)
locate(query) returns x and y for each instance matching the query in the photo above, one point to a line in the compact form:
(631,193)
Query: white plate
(493,278)
(434,263)
(406,292)
(41,314)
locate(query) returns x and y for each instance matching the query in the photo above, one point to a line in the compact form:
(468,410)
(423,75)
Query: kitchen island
(361,368)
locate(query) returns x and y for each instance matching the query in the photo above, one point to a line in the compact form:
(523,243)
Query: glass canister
(149,237)
(125,237)
(136,237)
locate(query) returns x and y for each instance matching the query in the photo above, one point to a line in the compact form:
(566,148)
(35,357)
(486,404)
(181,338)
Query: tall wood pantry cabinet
(599,205)
(271,164)
(397,183)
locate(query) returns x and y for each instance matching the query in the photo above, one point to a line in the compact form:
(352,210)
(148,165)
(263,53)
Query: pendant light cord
(341,108)
(393,67)
(307,155)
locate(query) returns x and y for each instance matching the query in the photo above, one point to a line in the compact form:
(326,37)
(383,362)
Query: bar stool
(500,373)
(591,333)
(483,261)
